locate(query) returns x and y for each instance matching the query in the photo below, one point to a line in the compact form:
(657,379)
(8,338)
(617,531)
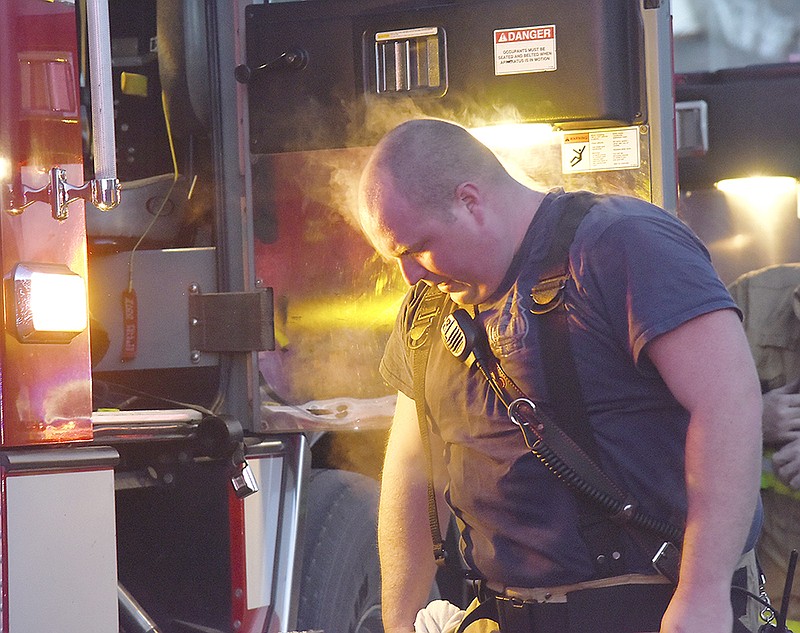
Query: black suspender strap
(570,433)
(601,536)
(426,322)
(557,360)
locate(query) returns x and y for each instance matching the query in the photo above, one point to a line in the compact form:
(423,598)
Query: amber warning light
(45,303)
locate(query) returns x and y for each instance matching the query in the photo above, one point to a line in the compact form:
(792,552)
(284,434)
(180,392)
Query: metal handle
(103,142)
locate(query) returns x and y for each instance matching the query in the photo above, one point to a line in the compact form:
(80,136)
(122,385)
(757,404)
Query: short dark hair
(426,160)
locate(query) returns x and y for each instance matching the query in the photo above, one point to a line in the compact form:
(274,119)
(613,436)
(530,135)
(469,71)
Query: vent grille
(411,60)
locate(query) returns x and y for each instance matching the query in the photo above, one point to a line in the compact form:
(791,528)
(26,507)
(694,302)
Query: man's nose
(411,270)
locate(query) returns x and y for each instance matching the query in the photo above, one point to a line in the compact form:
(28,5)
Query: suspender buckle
(548,294)
(439,554)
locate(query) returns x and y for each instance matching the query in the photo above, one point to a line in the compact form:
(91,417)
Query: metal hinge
(231,321)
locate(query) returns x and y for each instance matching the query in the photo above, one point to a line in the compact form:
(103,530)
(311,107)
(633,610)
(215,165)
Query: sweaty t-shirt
(637,272)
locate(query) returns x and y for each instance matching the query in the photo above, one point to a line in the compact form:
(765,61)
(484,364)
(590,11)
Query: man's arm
(707,365)
(404,537)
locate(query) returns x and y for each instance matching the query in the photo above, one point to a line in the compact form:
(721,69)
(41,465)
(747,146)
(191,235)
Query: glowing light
(58,302)
(762,196)
(738,242)
(757,186)
(48,303)
(513,135)
(5,169)
(377,312)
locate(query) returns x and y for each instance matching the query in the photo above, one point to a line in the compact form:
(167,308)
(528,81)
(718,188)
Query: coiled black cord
(615,507)
(468,343)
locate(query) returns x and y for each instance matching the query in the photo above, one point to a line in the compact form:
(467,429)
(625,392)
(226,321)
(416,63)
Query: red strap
(130,325)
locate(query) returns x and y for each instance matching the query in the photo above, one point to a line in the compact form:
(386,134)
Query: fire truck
(192,419)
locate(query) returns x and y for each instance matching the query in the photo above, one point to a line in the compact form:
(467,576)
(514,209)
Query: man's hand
(786,464)
(781,417)
(690,611)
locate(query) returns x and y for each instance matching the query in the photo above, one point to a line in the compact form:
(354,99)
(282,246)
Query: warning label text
(525,35)
(529,49)
(600,150)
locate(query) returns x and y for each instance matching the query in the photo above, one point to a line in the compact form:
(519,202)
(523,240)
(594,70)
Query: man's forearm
(404,543)
(723,459)
(722,473)
(404,538)
(706,364)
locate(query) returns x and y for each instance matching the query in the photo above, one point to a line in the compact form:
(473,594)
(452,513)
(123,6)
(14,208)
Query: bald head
(424,161)
(436,200)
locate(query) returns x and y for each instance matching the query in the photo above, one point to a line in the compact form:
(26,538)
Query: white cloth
(440,616)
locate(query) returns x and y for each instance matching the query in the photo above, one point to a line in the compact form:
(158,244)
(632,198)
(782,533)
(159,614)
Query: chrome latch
(103,193)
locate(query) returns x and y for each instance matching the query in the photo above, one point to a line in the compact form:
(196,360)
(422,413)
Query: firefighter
(770,301)
(664,370)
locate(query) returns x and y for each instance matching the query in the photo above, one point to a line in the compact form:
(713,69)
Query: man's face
(444,248)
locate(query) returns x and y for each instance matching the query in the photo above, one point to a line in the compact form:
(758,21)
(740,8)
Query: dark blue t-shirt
(637,272)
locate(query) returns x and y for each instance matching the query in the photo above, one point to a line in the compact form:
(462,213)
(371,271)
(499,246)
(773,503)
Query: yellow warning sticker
(600,150)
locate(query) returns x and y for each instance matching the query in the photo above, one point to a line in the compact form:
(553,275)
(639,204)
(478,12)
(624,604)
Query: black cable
(613,506)
(467,342)
(750,594)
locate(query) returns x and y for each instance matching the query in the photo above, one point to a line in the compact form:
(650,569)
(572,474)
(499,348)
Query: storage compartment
(173,535)
(326,75)
(743,105)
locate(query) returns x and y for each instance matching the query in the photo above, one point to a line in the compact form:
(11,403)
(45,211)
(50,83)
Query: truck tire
(340,584)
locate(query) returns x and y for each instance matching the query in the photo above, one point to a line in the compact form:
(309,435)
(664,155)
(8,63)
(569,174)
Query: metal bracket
(231,321)
(691,128)
(59,194)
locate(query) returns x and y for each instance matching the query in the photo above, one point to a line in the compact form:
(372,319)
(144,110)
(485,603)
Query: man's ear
(470,196)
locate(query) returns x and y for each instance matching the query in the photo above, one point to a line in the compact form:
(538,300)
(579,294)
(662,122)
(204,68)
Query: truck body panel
(238,315)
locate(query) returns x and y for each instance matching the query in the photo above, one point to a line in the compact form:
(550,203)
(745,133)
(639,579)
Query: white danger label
(600,150)
(530,49)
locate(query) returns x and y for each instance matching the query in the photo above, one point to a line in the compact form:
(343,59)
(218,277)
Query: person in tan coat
(770,301)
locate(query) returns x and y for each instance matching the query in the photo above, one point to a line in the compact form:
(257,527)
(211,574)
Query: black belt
(630,608)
